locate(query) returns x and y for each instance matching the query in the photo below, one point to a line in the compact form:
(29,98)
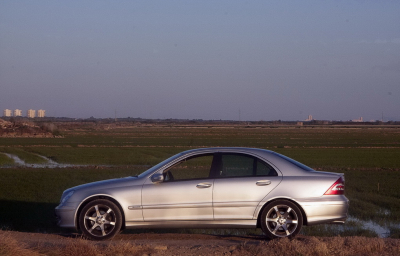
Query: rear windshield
(300,165)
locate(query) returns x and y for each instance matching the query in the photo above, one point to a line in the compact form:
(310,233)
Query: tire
(281,218)
(100,220)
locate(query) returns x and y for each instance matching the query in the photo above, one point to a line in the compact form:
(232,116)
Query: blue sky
(268,60)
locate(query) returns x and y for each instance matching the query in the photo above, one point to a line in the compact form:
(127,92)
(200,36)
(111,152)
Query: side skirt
(193,224)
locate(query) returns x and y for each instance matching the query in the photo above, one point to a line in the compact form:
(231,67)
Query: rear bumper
(326,210)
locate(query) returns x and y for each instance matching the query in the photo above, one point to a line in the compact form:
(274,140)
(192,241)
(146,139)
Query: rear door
(241,182)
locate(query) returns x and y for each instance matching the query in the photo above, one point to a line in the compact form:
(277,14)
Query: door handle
(263,182)
(203,185)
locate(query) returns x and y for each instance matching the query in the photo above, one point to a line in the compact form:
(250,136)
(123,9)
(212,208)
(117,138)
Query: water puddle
(48,164)
(381,231)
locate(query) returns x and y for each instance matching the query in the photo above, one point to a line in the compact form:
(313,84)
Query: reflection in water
(49,163)
(381,231)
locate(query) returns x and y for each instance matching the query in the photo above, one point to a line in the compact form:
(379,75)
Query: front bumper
(65,216)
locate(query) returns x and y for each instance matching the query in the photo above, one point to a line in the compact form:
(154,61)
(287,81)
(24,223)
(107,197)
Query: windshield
(159,165)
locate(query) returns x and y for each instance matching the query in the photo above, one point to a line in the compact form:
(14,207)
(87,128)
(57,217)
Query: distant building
(41,113)
(309,118)
(7,112)
(31,113)
(360,120)
(18,112)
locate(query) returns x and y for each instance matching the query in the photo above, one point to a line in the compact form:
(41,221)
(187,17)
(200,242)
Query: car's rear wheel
(100,220)
(281,218)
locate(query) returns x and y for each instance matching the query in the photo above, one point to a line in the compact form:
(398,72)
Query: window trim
(166,170)
(214,168)
(255,161)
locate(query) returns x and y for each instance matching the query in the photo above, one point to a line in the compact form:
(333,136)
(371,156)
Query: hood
(104,184)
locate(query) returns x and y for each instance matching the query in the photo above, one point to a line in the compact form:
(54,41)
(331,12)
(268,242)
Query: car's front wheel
(100,220)
(281,218)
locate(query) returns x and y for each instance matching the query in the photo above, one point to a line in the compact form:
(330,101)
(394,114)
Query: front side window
(197,167)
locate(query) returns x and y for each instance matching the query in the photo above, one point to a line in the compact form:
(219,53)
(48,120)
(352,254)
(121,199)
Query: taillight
(337,188)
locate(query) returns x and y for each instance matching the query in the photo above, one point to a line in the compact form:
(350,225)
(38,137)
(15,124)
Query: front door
(185,193)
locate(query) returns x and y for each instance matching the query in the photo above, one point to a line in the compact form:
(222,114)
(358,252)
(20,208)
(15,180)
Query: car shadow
(28,216)
(39,217)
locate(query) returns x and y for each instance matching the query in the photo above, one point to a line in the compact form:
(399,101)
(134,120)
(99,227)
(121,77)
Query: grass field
(369,157)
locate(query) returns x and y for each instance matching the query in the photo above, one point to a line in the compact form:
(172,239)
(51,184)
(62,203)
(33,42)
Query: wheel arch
(278,199)
(92,198)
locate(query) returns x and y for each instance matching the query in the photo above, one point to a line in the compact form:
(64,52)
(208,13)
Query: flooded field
(369,157)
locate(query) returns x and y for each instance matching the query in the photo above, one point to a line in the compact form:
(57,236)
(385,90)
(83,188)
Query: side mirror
(157,178)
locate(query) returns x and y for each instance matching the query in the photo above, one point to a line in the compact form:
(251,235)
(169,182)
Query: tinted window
(237,165)
(264,169)
(191,168)
(240,165)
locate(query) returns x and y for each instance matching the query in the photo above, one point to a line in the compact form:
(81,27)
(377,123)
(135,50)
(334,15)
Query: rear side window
(240,165)
(264,169)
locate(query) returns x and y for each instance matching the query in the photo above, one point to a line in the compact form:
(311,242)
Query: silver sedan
(209,188)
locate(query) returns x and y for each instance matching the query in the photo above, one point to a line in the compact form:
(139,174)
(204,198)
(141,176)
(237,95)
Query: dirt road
(18,243)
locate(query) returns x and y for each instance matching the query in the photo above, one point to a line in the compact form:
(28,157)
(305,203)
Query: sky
(212,60)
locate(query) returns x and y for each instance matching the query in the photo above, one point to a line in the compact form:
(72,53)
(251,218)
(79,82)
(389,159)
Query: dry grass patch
(15,243)
(313,246)
(82,247)
(10,246)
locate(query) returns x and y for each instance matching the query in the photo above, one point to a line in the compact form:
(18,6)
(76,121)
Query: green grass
(47,185)
(369,203)
(36,192)
(345,157)
(326,157)
(351,228)
(372,147)
(200,137)
(24,154)
(366,156)
(5,160)
(106,155)
(28,196)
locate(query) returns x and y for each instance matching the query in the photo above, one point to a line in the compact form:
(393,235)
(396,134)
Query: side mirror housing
(157,178)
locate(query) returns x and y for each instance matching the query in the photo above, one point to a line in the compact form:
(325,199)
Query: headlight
(65,197)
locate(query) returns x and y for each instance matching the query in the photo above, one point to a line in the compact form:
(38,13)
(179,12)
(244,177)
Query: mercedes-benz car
(209,188)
